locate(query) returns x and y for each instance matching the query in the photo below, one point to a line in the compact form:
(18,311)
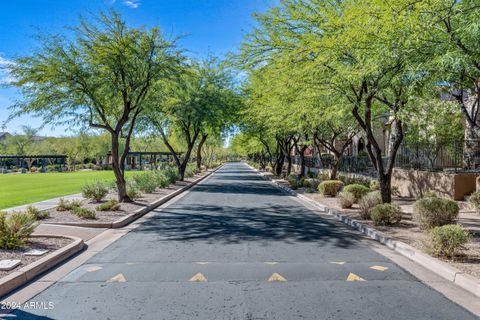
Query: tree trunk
(118,170)
(289,164)
(199,151)
(385,181)
(279,164)
(471,148)
(335,165)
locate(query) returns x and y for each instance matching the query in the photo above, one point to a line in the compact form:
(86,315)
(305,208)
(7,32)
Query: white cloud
(134,4)
(5,78)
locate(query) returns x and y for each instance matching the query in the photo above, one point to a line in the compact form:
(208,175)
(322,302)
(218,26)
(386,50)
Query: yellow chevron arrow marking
(118,278)
(379,268)
(354,277)
(198,278)
(276,277)
(338,262)
(93,268)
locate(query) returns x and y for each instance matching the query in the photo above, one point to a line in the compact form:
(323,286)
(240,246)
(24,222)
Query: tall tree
(99,77)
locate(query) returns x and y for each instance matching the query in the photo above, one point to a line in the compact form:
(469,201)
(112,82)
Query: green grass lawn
(19,189)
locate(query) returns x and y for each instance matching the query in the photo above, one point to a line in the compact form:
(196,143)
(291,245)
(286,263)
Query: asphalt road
(232,234)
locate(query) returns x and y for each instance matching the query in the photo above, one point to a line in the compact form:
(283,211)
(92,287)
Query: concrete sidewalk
(44,205)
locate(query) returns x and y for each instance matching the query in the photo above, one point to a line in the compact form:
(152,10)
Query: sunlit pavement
(236,247)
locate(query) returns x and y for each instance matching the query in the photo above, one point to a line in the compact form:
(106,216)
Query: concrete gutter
(27,273)
(138,213)
(444,270)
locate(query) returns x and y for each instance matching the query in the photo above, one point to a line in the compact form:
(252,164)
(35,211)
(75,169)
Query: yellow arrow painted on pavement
(198,278)
(354,277)
(93,268)
(118,278)
(379,268)
(276,277)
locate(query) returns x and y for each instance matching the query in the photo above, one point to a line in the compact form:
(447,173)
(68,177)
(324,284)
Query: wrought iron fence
(431,157)
(419,156)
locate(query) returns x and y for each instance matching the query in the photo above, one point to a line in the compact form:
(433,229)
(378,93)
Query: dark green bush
(146,181)
(110,205)
(358,190)
(15,229)
(171,174)
(96,190)
(330,187)
(433,212)
(191,170)
(38,214)
(64,205)
(448,241)
(386,214)
(83,213)
(294,181)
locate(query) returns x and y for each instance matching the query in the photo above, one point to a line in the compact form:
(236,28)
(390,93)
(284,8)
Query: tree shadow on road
(230,224)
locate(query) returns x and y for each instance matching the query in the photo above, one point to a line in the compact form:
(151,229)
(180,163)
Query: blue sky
(209,26)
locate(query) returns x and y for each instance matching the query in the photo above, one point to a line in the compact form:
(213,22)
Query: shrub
(161,179)
(358,190)
(110,205)
(146,181)
(448,241)
(324,175)
(348,178)
(474,200)
(430,194)
(294,181)
(330,187)
(171,174)
(96,190)
(434,212)
(83,213)
(374,185)
(132,190)
(346,199)
(191,170)
(68,205)
(15,229)
(368,202)
(38,214)
(386,214)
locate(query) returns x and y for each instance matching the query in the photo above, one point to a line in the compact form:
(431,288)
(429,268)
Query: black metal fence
(418,156)
(431,157)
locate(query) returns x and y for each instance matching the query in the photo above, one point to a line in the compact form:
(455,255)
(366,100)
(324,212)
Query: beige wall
(414,183)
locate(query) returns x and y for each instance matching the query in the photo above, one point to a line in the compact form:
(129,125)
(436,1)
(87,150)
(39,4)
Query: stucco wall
(414,183)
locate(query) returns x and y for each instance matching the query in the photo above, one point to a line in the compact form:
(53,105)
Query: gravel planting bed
(125,208)
(51,244)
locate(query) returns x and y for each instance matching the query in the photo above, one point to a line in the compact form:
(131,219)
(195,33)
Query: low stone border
(136,214)
(34,269)
(463,280)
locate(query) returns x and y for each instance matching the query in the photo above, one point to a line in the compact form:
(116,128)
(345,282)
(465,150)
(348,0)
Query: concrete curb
(34,269)
(138,213)
(461,279)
